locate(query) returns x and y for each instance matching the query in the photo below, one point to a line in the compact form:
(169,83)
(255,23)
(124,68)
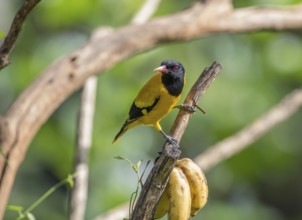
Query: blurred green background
(263,182)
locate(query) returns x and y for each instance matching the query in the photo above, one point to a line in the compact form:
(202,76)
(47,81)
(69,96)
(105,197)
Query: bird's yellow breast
(154,89)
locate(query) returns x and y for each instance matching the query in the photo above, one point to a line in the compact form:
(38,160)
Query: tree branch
(34,106)
(79,192)
(14,31)
(242,139)
(158,177)
(116,213)
(146,11)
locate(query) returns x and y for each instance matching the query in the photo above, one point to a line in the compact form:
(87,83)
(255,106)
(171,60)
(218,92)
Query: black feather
(174,79)
(136,112)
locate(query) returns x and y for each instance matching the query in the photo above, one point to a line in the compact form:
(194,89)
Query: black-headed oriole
(157,98)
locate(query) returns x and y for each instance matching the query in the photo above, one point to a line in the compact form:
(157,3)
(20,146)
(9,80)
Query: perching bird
(157,98)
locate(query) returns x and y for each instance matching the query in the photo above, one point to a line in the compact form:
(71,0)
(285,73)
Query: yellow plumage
(157,98)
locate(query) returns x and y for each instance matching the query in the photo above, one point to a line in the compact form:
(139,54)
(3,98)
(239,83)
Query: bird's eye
(175,68)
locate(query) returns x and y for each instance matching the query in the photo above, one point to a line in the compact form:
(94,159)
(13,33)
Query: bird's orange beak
(162,69)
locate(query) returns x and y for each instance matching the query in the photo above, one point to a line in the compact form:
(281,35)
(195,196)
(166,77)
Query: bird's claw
(172,141)
(189,108)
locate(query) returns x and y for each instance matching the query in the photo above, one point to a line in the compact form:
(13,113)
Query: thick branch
(242,139)
(14,31)
(158,177)
(34,106)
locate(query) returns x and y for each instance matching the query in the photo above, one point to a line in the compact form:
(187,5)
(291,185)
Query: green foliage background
(263,182)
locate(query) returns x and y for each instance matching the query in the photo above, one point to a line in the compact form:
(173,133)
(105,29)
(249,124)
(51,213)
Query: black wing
(136,112)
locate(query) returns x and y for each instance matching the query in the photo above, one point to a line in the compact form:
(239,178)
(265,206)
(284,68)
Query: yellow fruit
(197,182)
(179,196)
(163,205)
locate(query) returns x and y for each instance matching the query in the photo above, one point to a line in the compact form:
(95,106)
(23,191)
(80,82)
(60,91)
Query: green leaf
(119,157)
(138,164)
(2,35)
(70,181)
(14,208)
(135,168)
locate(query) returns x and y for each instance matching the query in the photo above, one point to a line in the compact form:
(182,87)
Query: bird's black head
(173,76)
(173,68)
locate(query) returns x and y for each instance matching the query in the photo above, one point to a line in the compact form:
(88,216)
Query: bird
(157,98)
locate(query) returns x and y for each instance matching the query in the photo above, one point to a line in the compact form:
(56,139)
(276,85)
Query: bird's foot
(172,140)
(189,108)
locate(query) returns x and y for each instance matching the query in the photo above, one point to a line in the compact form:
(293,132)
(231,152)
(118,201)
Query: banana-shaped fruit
(179,195)
(197,182)
(163,205)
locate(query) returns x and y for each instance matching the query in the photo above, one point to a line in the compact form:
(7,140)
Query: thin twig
(158,177)
(242,139)
(146,11)
(14,31)
(79,192)
(117,213)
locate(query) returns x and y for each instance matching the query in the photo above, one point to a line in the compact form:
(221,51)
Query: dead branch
(34,106)
(116,213)
(146,11)
(14,31)
(79,192)
(242,139)
(158,177)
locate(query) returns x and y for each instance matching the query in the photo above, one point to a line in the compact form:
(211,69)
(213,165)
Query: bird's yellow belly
(163,107)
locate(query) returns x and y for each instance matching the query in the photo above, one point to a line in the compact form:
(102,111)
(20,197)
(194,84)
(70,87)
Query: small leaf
(30,216)
(2,35)
(138,164)
(119,158)
(15,208)
(70,181)
(135,168)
